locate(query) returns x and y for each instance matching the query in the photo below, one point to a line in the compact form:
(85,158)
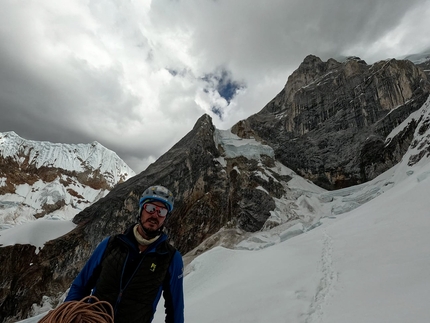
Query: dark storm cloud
(59,104)
(274,33)
(135,76)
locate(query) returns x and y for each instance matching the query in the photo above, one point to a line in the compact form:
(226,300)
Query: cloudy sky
(136,75)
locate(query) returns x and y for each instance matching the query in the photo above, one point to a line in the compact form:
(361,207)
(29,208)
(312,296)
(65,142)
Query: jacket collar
(128,238)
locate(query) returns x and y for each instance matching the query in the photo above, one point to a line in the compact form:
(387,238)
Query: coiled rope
(87,310)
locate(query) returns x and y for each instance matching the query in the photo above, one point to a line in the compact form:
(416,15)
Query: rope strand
(81,312)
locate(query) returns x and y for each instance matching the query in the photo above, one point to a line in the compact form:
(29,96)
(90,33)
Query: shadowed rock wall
(330,121)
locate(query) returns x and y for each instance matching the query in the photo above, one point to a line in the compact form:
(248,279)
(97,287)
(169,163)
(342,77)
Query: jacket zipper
(121,288)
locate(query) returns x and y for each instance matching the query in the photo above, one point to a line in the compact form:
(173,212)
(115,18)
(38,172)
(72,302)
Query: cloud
(135,76)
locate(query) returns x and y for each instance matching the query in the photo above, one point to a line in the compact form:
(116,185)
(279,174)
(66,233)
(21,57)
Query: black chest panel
(131,281)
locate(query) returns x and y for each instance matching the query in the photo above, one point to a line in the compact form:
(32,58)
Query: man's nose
(153,215)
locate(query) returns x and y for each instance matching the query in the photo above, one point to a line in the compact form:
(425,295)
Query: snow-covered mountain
(41,179)
(362,257)
(420,57)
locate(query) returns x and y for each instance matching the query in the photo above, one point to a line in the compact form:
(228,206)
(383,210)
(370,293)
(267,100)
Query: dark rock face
(331,118)
(207,194)
(27,276)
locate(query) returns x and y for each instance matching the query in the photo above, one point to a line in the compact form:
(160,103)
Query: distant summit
(419,58)
(44,179)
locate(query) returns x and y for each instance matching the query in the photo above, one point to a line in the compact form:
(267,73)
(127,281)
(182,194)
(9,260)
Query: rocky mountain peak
(309,70)
(327,110)
(311,62)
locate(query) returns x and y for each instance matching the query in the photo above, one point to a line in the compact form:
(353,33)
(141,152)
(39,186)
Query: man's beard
(151,232)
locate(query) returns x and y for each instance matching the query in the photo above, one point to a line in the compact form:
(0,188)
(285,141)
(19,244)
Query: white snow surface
(363,256)
(20,207)
(36,233)
(369,265)
(235,146)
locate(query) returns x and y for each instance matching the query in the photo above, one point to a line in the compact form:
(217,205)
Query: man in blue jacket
(132,270)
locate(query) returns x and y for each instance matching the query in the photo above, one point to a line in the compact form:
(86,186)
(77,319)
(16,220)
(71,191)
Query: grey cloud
(58,101)
(50,92)
(270,34)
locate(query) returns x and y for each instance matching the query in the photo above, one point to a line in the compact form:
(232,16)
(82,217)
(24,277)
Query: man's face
(152,222)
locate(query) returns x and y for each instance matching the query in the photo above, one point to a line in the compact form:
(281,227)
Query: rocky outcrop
(331,118)
(208,195)
(27,276)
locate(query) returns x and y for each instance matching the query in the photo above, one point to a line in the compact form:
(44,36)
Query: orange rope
(81,312)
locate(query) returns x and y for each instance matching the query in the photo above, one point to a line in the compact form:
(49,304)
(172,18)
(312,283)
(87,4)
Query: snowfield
(368,265)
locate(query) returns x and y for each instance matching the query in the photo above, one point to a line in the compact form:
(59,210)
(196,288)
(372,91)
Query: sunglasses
(151,208)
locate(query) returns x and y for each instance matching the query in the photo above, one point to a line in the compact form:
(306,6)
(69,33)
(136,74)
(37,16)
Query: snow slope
(369,265)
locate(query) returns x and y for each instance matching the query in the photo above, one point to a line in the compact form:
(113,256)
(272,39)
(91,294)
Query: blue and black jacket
(133,281)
